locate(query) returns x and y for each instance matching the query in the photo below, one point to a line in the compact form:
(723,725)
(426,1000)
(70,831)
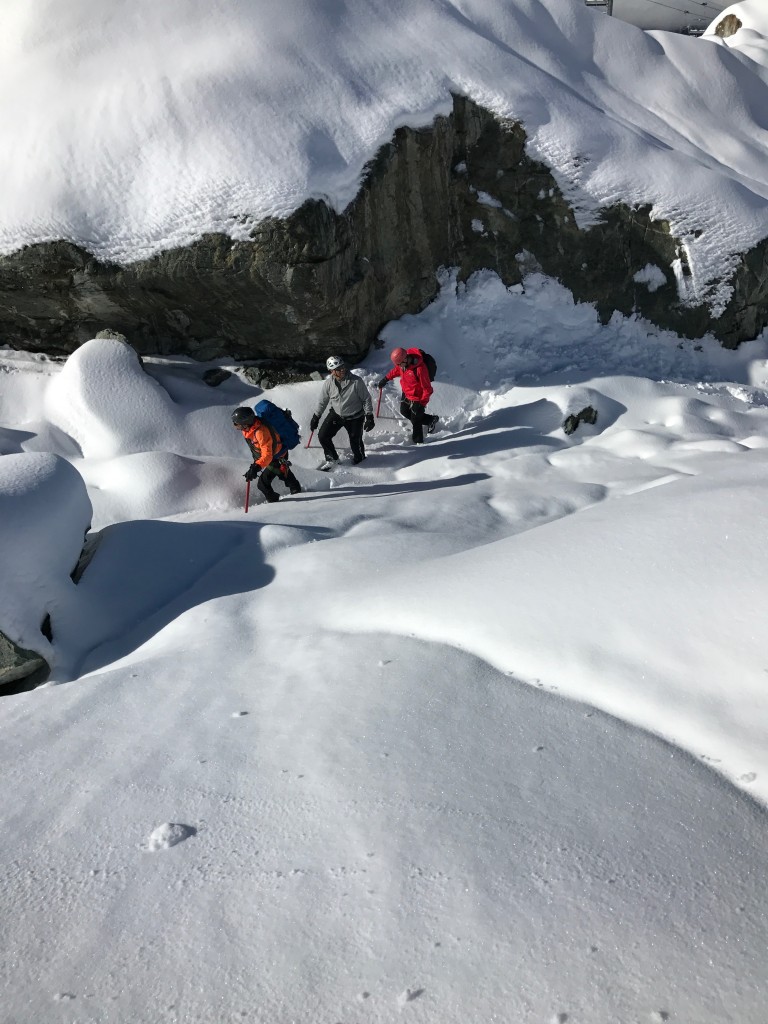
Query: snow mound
(167,835)
(45,512)
(109,406)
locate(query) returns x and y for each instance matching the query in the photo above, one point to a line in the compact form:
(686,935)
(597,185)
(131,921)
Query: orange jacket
(264,442)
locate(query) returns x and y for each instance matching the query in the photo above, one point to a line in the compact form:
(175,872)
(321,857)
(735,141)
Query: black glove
(314,422)
(369,424)
(251,473)
(382,383)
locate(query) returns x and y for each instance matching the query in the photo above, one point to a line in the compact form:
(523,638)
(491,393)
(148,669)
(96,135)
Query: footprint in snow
(409,995)
(167,835)
(748,777)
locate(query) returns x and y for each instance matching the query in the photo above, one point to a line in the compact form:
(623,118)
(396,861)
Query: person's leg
(355,431)
(406,409)
(266,477)
(329,428)
(282,468)
(417,419)
(290,481)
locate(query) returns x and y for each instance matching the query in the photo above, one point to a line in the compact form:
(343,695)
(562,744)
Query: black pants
(278,469)
(330,427)
(418,415)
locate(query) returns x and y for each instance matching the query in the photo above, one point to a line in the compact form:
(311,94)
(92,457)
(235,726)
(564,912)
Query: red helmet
(398,355)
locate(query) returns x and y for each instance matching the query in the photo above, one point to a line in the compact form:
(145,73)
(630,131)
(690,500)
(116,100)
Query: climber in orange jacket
(270,457)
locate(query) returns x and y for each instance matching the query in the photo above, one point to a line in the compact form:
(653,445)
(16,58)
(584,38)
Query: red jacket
(414,379)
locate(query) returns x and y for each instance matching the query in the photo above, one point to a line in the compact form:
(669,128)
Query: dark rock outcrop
(460,193)
(20,669)
(727,26)
(216,376)
(586,415)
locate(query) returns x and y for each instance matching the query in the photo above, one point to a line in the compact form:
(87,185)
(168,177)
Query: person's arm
(266,446)
(425,384)
(394,372)
(325,394)
(365,396)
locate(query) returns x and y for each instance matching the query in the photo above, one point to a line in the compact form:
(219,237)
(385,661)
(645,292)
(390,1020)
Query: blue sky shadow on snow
(403,487)
(146,573)
(12,441)
(523,426)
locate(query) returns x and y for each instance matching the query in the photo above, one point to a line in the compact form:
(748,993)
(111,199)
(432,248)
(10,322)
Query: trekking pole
(378,404)
(309,442)
(247,493)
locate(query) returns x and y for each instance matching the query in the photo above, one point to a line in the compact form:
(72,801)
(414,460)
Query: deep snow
(474,731)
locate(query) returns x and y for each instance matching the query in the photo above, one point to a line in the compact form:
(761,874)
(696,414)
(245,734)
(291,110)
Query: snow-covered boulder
(109,406)
(45,513)
(744,27)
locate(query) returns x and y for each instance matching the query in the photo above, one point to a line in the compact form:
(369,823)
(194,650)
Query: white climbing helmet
(334,363)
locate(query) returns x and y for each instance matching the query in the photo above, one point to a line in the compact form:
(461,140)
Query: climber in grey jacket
(350,407)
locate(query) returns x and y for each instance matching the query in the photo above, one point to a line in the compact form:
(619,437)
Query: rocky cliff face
(460,193)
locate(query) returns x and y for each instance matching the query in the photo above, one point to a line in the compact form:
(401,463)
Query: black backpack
(429,362)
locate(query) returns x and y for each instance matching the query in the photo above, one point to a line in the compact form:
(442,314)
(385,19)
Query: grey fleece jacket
(349,397)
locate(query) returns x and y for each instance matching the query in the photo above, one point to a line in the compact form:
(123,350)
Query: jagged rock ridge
(460,193)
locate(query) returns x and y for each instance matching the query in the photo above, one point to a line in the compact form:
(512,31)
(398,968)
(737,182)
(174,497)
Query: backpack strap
(278,448)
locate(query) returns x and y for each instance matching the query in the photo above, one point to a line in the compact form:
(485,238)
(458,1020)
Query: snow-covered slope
(314,762)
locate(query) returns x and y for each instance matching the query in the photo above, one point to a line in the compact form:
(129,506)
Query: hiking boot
(357,459)
(327,464)
(272,497)
(295,490)
(432,425)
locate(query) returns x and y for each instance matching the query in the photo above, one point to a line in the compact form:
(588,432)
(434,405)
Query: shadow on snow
(146,573)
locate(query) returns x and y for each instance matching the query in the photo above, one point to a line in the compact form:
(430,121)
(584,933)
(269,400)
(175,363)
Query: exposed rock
(728,26)
(587,415)
(270,377)
(216,376)
(19,664)
(461,193)
(111,335)
(90,546)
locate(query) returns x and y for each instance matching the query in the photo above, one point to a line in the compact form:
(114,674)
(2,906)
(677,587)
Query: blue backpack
(280,420)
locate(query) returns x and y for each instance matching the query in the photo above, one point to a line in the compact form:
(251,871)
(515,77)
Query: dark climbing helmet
(243,417)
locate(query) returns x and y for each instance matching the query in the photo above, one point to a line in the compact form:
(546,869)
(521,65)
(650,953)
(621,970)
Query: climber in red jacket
(417,389)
